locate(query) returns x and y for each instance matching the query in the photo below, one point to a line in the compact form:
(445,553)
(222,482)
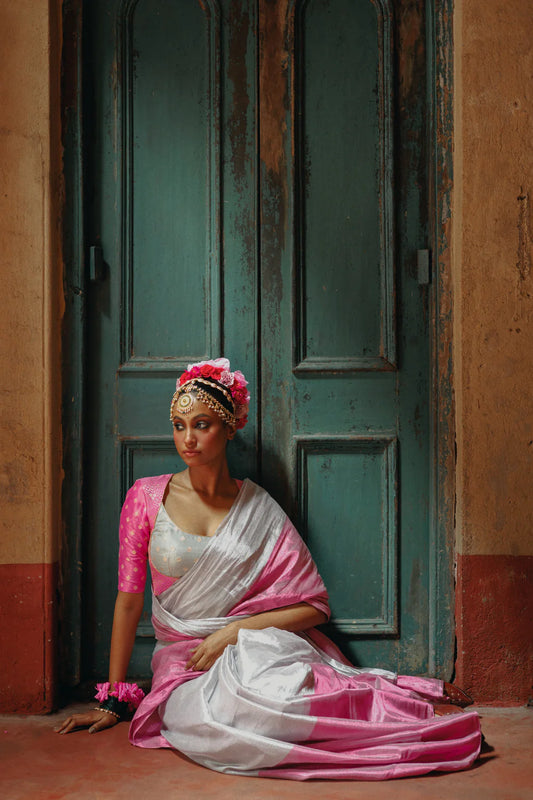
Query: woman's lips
(190,453)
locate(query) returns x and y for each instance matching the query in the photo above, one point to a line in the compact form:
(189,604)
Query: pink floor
(37,763)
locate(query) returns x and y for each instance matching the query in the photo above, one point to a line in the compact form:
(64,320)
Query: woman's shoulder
(151,484)
(147,493)
(260,494)
(148,480)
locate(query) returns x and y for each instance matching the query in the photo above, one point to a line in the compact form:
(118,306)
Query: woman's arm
(128,610)
(294,618)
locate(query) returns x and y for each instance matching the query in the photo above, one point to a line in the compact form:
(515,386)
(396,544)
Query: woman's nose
(189,436)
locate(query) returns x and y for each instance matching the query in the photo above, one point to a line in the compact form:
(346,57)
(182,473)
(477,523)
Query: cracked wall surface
(493,345)
(30,311)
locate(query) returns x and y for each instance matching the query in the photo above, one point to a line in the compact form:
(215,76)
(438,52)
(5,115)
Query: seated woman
(242,681)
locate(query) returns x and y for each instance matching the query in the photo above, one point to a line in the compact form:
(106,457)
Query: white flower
(222,363)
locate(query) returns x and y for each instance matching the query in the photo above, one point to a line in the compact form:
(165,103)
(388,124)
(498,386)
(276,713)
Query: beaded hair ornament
(213,383)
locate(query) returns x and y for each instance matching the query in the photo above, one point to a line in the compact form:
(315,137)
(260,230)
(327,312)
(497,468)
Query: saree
(279,704)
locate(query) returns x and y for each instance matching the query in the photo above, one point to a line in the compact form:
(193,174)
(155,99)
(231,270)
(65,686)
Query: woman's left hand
(298,617)
(204,656)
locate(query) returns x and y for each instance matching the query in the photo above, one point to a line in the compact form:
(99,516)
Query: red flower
(211,372)
(240,396)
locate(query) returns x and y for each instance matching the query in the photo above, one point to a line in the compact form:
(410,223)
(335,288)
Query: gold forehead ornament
(183,400)
(185,403)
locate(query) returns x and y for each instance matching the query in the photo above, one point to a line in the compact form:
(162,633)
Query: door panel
(358,557)
(171,107)
(251,200)
(343,185)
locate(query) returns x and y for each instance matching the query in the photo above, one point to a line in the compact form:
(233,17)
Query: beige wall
(493,347)
(30,311)
(31,278)
(492,265)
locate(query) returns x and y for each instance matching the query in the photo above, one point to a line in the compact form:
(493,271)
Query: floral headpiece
(217,375)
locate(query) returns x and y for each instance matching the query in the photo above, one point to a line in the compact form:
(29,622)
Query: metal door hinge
(423,267)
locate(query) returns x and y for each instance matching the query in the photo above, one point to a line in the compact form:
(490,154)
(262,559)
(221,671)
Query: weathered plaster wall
(494,345)
(29,358)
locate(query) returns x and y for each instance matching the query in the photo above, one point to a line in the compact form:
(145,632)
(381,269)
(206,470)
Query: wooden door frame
(440,52)
(439,38)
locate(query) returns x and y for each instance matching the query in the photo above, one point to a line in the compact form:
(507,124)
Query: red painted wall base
(494,613)
(27,633)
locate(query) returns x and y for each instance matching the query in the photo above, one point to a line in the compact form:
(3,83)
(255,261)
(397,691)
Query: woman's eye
(178,427)
(202,425)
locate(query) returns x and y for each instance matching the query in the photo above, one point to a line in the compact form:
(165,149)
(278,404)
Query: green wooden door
(255,179)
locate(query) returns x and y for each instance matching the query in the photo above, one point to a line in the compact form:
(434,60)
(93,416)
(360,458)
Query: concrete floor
(37,763)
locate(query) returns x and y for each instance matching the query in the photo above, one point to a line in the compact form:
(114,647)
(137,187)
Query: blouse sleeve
(134,535)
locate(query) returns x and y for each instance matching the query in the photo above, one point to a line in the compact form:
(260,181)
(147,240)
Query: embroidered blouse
(172,551)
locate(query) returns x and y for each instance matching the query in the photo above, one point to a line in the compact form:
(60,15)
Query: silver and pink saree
(279,704)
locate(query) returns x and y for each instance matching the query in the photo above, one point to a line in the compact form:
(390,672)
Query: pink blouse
(137,520)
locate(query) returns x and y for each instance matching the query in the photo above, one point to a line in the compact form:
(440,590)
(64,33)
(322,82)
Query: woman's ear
(230,432)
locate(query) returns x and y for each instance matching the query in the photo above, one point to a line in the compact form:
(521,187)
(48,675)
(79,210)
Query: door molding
(72,348)
(439,35)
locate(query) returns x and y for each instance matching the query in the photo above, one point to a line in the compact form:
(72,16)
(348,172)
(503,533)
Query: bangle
(107,711)
(114,706)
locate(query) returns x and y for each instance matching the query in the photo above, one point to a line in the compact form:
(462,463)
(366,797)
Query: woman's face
(201,436)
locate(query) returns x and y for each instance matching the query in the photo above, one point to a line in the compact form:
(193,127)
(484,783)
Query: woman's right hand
(94,719)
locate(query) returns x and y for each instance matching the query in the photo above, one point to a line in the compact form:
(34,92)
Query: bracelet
(114,706)
(107,711)
(121,698)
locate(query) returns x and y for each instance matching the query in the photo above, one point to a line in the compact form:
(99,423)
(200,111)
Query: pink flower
(239,377)
(226,378)
(102,691)
(128,693)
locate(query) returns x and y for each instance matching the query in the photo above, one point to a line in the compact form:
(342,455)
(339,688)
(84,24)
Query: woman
(243,683)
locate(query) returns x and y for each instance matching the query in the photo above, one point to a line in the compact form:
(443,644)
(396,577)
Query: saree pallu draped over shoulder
(279,704)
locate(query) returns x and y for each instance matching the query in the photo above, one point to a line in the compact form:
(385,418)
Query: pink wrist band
(128,693)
